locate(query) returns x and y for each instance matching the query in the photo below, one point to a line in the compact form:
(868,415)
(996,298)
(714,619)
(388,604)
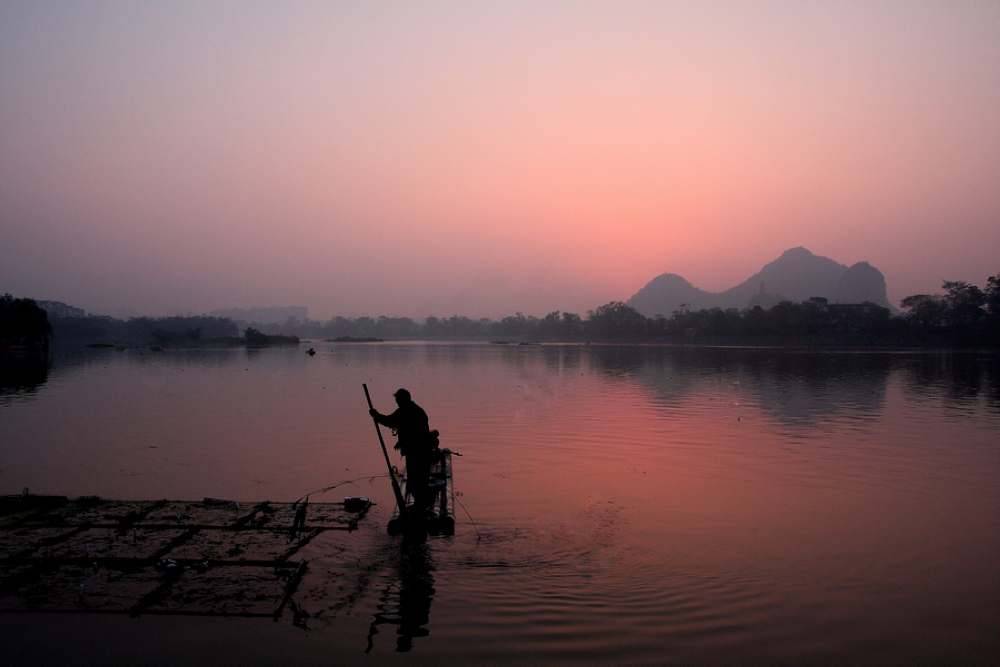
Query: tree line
(964,311)
(964,315)
(160,330)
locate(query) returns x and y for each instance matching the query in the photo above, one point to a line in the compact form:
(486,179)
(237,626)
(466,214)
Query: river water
(631,504)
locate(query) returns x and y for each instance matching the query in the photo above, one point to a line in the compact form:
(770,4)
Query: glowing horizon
(433,159)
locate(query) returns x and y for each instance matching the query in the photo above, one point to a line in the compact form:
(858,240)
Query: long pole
(400,501)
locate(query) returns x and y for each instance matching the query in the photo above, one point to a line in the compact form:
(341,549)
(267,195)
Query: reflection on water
(637,504)
(406,602)
(21,374)
(964,379)
(796,388)
(831,379)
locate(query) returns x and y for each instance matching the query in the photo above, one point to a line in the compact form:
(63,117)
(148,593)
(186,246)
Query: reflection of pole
(400,501)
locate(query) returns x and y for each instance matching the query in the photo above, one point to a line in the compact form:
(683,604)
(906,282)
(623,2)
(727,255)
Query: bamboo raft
(441,519)
(208,558)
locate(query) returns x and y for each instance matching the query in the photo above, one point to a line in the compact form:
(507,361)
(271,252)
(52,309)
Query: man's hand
(373,412)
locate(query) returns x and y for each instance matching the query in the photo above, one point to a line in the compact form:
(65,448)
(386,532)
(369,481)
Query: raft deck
(441,520)
(208,558)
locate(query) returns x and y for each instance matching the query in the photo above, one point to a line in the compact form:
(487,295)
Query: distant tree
(927,311)
(815,315)
(432,327)
(396,327)
(785,318)
(255,337)
(162,336)
(615,320)
(992,303)
(992,294)
(755,322)
(175,328)
(91,328)
(513,326)
(23,322)
(550,326)
(659,326)
(572,325)
(460,327)
(365,326)
(965,304)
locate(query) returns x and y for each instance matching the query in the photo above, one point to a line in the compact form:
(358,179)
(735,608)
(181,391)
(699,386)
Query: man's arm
(385,420)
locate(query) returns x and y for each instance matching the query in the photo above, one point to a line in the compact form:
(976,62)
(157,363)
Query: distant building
(60,309)
(268,315)
(763,299)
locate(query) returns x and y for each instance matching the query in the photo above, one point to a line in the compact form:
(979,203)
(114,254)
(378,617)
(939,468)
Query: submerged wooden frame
(145,550)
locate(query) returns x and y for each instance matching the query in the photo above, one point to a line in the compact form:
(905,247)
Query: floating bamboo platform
(166,557)
(440,518)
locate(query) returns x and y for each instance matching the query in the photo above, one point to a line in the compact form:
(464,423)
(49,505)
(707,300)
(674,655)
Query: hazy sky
(481,158)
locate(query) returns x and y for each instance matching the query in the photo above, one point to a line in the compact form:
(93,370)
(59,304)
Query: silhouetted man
(409,423)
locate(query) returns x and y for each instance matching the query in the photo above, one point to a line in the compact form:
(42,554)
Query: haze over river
(634,504)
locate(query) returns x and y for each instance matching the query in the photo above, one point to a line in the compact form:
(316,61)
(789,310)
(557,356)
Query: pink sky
(485,158)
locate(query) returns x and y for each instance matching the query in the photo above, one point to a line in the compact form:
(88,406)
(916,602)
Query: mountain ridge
(797,275)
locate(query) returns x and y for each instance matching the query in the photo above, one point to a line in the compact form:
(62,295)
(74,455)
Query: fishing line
(370,478)
(478,536)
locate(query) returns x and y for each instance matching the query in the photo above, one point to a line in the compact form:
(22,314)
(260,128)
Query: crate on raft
(209,558)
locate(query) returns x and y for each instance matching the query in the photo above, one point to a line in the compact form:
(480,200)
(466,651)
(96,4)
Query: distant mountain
(796,276)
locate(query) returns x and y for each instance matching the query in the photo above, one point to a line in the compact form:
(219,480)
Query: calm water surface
(634,504)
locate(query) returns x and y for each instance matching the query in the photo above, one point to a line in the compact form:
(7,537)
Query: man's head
(402,397)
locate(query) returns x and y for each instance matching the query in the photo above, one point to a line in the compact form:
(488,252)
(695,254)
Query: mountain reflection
(406,603)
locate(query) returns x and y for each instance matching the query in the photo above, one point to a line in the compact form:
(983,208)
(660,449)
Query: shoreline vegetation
(24,326)
(965,316)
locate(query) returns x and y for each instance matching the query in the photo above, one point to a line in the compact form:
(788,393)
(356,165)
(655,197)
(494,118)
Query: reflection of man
(409,422)
(416,592)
